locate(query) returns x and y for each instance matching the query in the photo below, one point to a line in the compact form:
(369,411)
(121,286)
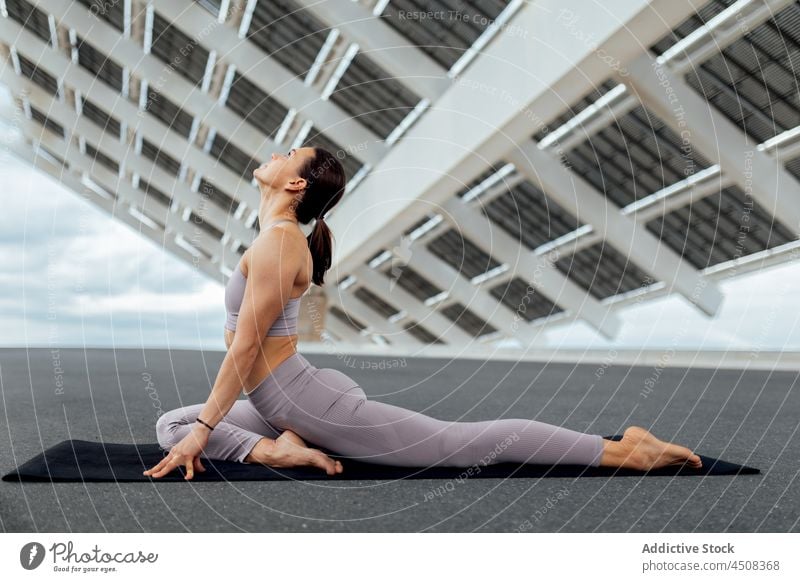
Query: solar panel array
(230,119)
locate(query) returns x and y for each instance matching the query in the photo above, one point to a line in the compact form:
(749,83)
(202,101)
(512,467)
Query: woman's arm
(275,259)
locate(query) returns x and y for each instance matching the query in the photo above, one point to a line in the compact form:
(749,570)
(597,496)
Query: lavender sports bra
(286,322)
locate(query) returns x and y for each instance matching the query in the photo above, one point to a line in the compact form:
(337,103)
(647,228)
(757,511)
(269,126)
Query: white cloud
(73,276)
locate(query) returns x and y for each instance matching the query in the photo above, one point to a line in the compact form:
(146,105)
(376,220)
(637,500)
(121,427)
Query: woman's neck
(267,215)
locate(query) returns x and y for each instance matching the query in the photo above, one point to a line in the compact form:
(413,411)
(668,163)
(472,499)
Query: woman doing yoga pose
(288,399)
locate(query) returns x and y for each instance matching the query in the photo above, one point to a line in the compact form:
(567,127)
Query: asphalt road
(117,395)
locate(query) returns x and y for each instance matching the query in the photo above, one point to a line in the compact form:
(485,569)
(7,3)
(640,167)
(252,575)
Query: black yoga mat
(80,460)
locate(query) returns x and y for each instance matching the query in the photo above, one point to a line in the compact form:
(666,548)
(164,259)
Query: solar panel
(414,226)
(467,320)
(411,280)
(101,158)
(210,192)
(462,254)
(31,18)
(524,299)
(42,78)
(489,171)
(199,222)
(753,82)
(346,318)
(181,52)
(634,157)
(529,216)
(165,161)
(100,65)
(793,167)
(101,118)
(719,228)
(373,97)
(422,334)
(701,16)
(154,192)
(167,111)
(375,302)
(256,107)
(450,30)
(574,109)
(603,271)
(234,158)
(48,123)
(112,12)
(287,33)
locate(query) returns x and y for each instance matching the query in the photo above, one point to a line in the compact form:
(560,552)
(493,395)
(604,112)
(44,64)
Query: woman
(285,392)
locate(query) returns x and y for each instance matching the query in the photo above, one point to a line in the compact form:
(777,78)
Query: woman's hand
(186,453)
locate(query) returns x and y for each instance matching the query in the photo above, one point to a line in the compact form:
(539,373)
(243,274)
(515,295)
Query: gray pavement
(116,395)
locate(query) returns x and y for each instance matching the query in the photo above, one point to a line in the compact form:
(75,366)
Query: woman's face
(282,171)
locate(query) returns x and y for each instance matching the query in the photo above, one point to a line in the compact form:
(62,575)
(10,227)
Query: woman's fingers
(189,464)
(152,470)
(166,468)
(168,464)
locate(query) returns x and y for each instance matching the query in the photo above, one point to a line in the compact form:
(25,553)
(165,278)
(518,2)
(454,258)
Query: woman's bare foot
(289,450)
(639,449)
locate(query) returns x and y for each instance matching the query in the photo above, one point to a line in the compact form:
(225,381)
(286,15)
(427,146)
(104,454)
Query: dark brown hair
(326,180)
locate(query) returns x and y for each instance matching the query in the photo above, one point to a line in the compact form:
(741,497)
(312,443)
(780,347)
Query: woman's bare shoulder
(293,246)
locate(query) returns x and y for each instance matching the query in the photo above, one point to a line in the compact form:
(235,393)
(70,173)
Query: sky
(72,276)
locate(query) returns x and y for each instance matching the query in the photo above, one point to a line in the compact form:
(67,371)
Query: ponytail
(321,246)
(325,180)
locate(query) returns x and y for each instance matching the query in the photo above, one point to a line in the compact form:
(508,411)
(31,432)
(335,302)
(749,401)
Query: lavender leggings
(329,409)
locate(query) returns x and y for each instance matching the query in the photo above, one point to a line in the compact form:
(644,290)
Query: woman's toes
(323,461)
(682,456)
(689,457)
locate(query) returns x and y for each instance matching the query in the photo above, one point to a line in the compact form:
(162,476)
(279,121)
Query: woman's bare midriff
(274,350)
